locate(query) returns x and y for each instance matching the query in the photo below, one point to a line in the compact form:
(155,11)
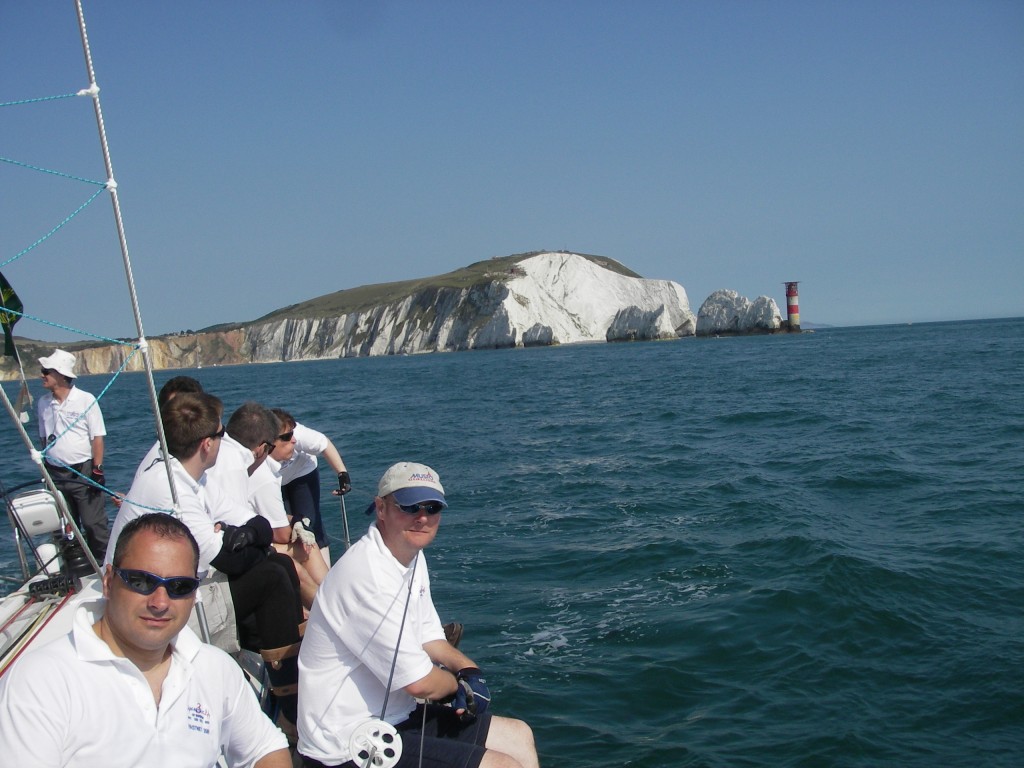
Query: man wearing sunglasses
(72,435)
(251,432)
(131,684)
(263,584)
(374,644)
(300,475)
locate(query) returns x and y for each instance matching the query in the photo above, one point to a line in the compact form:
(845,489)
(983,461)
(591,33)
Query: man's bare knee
(512,740)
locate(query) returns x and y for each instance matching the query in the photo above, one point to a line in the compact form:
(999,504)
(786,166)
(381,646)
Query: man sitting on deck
(375,644)
(131,684)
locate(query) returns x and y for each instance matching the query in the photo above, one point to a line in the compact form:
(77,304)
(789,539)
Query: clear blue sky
(267,153)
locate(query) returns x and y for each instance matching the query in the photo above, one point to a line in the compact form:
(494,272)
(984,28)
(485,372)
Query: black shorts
(446,742)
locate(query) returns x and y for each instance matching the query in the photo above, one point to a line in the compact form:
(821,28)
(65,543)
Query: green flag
(9,300)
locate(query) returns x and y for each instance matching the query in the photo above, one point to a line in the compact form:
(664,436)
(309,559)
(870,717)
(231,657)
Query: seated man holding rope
(374,644)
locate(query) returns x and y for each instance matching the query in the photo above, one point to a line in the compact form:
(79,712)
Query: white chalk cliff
(547,298)
(531,300)
(728,312)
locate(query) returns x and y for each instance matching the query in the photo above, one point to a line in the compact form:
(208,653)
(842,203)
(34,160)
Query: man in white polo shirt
(249,440)
(131,684)
(374,644)
(263,584)
(71,432)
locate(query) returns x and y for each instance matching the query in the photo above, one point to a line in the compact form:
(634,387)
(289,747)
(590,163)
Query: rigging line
(54,230)
(94,92)
(63,175)
(94,404)
(139,505)
(58,497)
(62,327)
(398,642)
(423,734)
(175,512)
(36,100)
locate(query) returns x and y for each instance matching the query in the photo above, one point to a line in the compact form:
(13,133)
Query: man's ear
(108,575)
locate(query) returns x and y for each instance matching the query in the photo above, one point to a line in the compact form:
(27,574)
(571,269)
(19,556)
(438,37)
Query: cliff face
(551,298)
(548,298)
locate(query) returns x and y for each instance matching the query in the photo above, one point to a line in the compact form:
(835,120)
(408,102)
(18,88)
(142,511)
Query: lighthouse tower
(793,306)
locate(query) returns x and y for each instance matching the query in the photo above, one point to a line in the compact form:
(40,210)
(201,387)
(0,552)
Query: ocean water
(799,550)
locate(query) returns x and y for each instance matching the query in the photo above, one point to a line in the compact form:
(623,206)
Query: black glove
(472,694)
(344,483)
(238,537)
(244,546)
(97,475)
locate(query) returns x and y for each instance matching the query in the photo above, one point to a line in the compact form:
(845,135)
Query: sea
(788,550)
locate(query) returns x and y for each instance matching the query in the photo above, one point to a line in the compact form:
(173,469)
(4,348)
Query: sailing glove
(300,530)
(97,475)
(344,483)
(472,695)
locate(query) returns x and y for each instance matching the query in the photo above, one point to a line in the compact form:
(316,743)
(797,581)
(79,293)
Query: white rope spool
(375,743)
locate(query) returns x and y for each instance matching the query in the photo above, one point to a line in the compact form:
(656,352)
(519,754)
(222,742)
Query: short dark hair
(285,419)
(163,525)
(177,385)
(252,425)
(188,419)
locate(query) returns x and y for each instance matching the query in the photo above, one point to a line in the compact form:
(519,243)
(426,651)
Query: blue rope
(96,401)
(63,175)
(36,100)
(53,231)
(82,415)
(7,313)
(77,331)
(139,505)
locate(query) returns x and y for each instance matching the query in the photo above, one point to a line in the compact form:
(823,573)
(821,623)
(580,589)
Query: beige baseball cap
(412,483)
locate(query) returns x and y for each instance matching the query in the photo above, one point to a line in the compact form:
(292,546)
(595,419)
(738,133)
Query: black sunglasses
(286,437)
(431,508)
(46,371)
(218,434)
(146,583)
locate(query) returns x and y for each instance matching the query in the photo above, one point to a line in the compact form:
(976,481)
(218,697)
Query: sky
(269,153)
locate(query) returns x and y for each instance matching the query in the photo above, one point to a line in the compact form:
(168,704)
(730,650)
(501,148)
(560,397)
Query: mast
(94,91)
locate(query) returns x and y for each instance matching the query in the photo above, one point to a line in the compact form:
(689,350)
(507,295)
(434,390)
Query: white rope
(398,642)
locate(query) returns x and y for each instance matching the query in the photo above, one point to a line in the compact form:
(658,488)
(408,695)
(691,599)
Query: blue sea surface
(791,550)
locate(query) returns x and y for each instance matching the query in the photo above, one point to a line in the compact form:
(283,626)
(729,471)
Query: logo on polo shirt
(198,718)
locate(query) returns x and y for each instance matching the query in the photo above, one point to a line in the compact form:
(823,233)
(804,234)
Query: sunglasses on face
(146,583)
(430,508)
(218,434)
(46,371)
(286,437)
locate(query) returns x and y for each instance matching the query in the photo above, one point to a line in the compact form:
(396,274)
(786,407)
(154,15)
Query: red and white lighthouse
(793,306)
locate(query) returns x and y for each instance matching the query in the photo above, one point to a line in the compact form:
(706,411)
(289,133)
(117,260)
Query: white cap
(60,361)
(411,484)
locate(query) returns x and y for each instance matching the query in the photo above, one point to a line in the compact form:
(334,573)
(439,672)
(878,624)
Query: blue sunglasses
(146,583)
